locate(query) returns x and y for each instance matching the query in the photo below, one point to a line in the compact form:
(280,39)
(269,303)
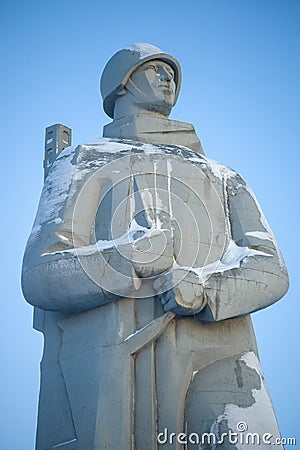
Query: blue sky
(241,83)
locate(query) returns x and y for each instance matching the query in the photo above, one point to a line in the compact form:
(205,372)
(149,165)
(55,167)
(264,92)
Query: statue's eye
(152,67)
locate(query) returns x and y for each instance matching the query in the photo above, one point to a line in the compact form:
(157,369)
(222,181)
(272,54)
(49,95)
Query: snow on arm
(254,274)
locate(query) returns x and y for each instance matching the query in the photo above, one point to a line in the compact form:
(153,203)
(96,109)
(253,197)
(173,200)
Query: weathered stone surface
(144,262)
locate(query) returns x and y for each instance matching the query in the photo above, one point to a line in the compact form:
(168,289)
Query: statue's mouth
(166,87)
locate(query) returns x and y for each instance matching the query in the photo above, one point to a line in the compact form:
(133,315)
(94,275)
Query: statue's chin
(163,108)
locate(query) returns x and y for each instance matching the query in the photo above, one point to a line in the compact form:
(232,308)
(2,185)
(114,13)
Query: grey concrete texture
(145,261)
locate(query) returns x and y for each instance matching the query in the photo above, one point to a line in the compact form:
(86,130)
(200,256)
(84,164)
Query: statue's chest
(159,190)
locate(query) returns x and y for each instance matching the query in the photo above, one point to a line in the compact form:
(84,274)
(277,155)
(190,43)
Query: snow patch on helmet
(144,49)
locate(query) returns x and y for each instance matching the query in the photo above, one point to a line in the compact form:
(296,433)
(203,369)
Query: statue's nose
(165,75)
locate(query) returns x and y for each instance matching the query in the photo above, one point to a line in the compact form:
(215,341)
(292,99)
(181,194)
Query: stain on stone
(238,374)
(223,441)
(212,389)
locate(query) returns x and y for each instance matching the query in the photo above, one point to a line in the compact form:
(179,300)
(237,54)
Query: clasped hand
(178,289)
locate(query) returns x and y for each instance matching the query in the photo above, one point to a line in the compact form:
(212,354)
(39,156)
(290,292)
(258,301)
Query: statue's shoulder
(214,170)
(77,163)
(97,153)
(120,146)
(103,150)
(218,170)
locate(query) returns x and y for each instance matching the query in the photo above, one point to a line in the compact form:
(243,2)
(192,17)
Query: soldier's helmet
(123,63)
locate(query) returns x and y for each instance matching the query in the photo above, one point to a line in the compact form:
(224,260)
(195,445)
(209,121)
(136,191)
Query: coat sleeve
(259,277)
(61,270)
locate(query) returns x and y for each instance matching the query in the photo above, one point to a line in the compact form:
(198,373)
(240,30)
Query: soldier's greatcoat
(121,371)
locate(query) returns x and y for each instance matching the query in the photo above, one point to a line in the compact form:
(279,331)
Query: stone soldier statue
(143,265)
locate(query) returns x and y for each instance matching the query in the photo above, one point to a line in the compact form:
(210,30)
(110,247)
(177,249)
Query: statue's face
(152,86)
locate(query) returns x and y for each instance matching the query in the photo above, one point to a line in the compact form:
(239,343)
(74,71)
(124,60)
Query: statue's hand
(179,291)
(153,254)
